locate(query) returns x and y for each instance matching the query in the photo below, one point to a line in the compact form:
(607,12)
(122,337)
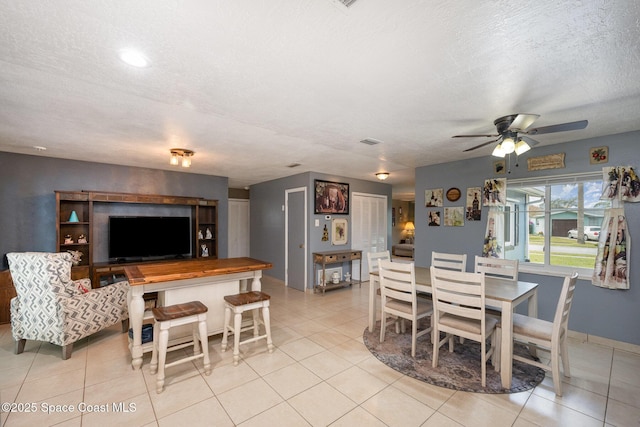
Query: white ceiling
(253,86)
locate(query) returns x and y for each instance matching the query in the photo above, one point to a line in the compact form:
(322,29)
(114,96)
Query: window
(554,222)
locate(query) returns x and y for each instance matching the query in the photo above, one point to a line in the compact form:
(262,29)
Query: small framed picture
(434,219)
(339,231)
(598,155)
(433,197)
(454,217)
(499,167)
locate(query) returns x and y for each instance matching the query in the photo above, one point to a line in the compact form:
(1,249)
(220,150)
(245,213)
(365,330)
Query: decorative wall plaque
(551,161)
(453,194)
(598,155)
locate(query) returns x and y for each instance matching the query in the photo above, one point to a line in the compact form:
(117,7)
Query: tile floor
(320,374)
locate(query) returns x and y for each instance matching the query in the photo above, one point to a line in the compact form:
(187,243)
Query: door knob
(301,246)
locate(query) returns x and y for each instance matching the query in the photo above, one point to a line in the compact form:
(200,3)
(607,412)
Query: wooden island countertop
(144,274)
(207,280)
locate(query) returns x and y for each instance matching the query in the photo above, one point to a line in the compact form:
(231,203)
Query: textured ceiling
(254,86)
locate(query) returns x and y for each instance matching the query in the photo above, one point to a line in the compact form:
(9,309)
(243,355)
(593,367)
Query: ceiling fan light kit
(510,126)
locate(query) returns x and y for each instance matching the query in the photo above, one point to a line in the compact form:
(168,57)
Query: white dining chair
(454,262)
(374,281)
(374,257)
(549,336)
(399,298)
(459,310)
(497,267)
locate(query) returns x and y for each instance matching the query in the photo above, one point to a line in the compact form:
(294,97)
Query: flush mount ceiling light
(134,58)
(181,154)
(382,175)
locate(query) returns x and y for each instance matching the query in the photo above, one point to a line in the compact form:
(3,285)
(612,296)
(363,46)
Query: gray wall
(27,199)
(612,314)
(267,217)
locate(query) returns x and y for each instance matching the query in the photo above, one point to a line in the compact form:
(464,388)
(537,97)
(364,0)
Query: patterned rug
(459,370)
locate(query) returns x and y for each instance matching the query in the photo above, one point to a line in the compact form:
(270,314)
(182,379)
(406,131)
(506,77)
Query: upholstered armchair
(51,307)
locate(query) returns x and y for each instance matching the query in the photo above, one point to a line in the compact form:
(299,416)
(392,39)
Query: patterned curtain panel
(494,236)
(620,184)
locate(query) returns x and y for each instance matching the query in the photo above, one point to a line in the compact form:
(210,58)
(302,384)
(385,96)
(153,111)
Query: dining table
(503,294)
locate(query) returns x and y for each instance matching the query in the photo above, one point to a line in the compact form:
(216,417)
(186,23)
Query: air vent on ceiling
(345,3)
(371,141)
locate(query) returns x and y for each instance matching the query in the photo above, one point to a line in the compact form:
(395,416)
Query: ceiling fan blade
(563,127)
(481,145)
(475,136)
(523,121)
(530,141)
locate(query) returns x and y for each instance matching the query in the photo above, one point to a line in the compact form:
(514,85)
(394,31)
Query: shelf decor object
(73,217)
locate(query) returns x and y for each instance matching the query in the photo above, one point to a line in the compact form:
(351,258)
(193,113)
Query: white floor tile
(320,374)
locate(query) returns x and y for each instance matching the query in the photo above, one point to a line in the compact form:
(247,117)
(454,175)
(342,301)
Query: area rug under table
(459,370)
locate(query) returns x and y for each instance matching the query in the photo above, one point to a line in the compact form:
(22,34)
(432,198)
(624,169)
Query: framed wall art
(433,198)
(339,231)
(598,155)
(474,210)
(434,219)
(454,217)
(331,197)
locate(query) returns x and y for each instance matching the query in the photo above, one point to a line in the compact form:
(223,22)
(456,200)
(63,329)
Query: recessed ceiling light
(39,148)
(134,58)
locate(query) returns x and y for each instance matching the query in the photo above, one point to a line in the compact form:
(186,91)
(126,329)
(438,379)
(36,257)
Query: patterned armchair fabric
(51,307)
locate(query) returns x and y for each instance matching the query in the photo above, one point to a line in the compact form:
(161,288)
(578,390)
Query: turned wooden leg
(237,326)
(227,324)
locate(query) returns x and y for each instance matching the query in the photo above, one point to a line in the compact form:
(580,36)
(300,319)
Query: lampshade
(174,159)
(498,151)
(409,227)
(382,175)
(508,145)
(521,147)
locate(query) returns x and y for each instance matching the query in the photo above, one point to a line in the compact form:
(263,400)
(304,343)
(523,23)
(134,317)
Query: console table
(334,257)
(206,280)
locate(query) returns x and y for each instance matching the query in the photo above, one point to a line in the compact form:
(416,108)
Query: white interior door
(238,228)
(369,228)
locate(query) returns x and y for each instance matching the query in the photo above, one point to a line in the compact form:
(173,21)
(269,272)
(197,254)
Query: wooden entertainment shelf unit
(204,215)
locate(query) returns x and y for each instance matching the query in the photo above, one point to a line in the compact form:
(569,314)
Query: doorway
(295,268)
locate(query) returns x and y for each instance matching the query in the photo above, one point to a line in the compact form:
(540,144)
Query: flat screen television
(148,237)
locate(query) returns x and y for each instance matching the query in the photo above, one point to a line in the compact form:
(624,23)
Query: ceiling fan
(512,127)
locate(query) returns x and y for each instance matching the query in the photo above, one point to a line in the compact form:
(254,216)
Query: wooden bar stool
(239,303)
(175,315)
